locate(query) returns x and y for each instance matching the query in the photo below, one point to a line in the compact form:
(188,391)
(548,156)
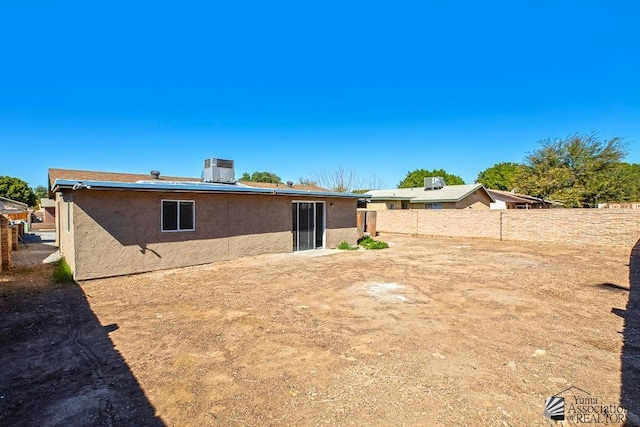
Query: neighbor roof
(448,193)
(508,196)
(90,180)
(12,206)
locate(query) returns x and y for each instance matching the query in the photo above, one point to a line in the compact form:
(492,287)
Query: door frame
(296,232)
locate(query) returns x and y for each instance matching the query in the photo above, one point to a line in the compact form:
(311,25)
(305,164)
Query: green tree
(261,177)
(41,192)
(416,178)
(16,189)
(629,179)
(501,176)
(578,171)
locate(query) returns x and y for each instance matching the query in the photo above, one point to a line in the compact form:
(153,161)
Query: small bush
(369,243)
(365,240)
(345,246)
(377,244)
(62,273)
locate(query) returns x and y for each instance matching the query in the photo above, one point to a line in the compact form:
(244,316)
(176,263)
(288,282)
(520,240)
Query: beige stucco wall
(64,235)
(341,222)
(476,200)
(117,232)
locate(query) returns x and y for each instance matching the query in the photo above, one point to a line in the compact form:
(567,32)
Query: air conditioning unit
(433,183)
(219,170)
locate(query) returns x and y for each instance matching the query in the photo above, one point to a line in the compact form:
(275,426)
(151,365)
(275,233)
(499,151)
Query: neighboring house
(111,224)
(48,207)
(13,209)
(472,196)
(511,200)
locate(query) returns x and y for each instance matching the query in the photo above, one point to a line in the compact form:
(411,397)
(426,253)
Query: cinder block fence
(613,227)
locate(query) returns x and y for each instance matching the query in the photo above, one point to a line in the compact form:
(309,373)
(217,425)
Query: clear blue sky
(296,88)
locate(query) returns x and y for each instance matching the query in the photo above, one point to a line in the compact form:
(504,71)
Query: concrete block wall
(13,232)
(613,227)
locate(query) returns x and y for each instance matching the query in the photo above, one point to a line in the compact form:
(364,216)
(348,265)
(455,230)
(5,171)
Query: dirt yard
(432,331)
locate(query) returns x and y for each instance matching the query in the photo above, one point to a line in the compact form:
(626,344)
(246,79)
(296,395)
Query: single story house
(473,196)
(48,207)
(111,224)
(512,200)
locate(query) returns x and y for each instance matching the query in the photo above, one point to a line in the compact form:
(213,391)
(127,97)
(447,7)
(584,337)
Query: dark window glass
(186,215)
(294,215)
(169,215)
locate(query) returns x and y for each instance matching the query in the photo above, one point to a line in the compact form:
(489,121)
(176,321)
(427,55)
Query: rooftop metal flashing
(191,187)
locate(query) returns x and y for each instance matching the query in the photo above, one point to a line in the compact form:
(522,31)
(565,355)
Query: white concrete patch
(386,292)
(317,252)
(54,257)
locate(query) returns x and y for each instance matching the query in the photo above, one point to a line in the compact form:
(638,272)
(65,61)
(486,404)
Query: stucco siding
(119,232)
(64,229)
(337,235)
(342,214)
(257,244)
(341,222)
(477,200)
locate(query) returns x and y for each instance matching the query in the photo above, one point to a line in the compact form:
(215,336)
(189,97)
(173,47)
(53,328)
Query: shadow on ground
(59,366)
(630,394)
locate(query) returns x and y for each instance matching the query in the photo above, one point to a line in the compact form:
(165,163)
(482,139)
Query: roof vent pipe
(155,174)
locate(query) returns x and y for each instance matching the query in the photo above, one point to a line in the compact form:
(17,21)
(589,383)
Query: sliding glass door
(308,225)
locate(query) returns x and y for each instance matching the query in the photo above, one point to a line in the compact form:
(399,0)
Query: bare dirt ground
(432,331)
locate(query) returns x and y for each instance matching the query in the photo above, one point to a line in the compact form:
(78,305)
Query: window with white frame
(178,215)
(435,206)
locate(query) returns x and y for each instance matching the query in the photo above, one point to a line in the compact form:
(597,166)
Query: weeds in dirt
(368,242)
(62,273)
(345,246)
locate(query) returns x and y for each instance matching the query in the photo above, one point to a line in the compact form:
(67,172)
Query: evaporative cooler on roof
(219,170)
(433,183)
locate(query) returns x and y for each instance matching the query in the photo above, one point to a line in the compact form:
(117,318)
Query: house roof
(90,180)
(12,206)
(448,193)
(507,196)
(47,203)
(84,175)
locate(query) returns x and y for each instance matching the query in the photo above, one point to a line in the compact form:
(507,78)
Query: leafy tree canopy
(501,176)
(416,178)
(16,189)
(628,175)
(261,177)
(41,192)
(578,171)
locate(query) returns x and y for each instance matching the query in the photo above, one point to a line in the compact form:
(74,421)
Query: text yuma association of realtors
(589,410)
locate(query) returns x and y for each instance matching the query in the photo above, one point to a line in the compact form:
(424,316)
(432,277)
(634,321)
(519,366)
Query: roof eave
(191,188)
